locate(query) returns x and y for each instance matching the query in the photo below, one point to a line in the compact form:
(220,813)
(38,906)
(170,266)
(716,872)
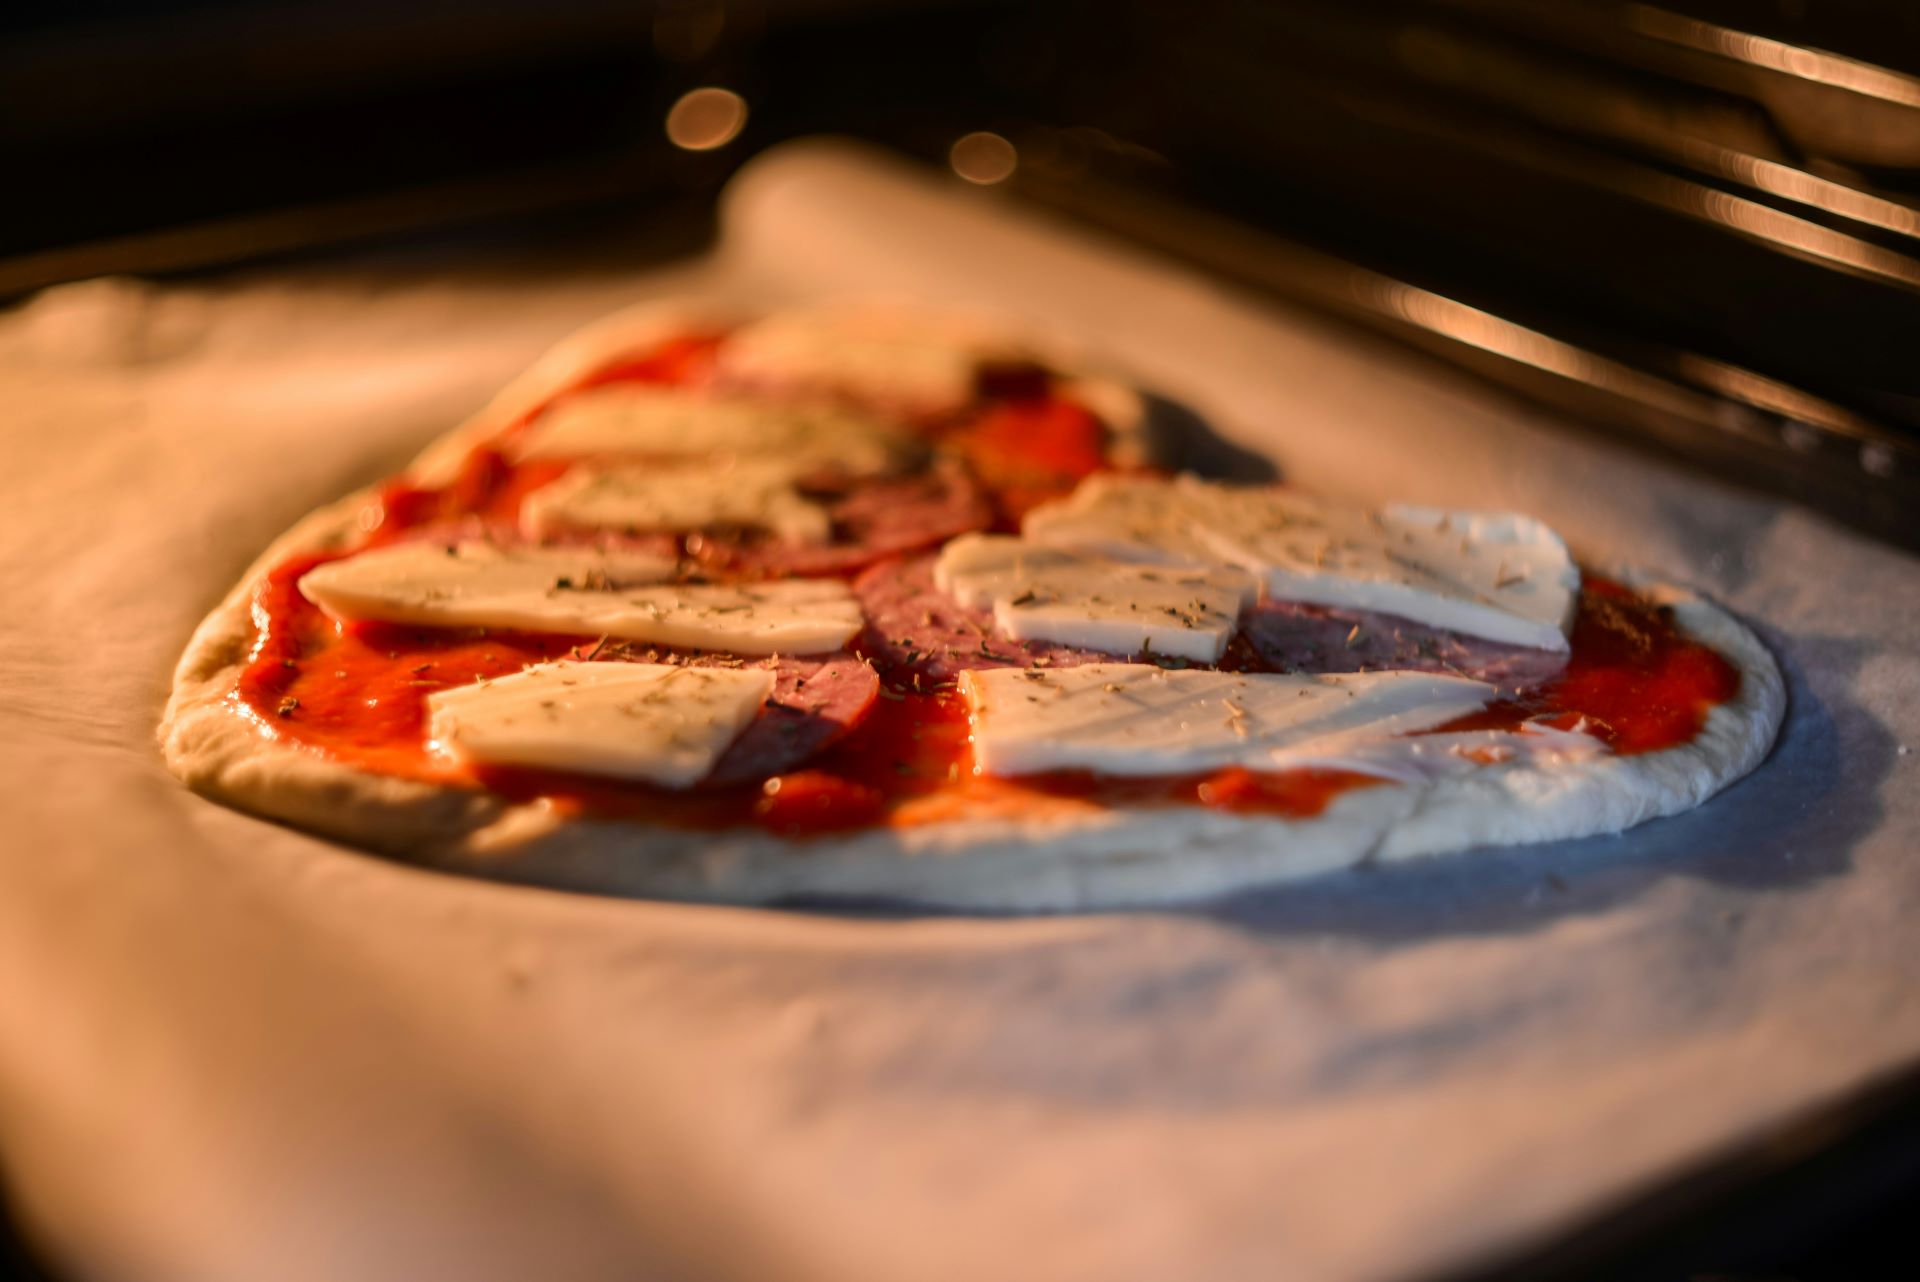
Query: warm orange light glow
(1794,60)
(705,119)
(1440,315)
(984,158)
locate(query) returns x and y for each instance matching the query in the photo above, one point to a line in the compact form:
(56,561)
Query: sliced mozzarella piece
(1129,518)
(656,722)
(473,583)
(678,498)
(899,361)
(582,592)
(797,616)
(1138,719)
(1071,598)
(670,422)
(1501,576)
(1497,575)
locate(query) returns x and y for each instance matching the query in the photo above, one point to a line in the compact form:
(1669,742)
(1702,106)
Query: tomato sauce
(1028,451)
(358,691)
(1632,678)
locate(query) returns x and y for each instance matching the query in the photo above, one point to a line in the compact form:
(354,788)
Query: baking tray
(228,1050)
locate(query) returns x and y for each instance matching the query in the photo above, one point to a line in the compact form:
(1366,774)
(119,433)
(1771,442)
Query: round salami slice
(914,630)
(1291,637)
(814,704)
(871,520)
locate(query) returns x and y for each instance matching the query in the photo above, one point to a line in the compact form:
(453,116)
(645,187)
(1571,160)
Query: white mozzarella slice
(678,498)
(655,722)
(669,422)
(1129,518)
(1139,719)
(1501,576)
(1496,575)
(796,616)
(582,592)
(1040,593)
(898,361)
(473,583)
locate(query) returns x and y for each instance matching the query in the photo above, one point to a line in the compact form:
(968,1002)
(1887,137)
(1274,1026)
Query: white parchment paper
(232,1052)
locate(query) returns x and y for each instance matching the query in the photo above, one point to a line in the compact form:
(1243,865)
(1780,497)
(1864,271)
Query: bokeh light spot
(984,158)
(704,119)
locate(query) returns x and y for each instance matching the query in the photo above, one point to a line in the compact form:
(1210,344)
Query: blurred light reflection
(1489,333)
(1816,65)
(984,158)
(704,119)
(1798,235)
(1802,187)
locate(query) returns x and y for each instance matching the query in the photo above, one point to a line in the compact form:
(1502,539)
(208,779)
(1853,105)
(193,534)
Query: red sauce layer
(1030,450)
(1638,683)
(358,691)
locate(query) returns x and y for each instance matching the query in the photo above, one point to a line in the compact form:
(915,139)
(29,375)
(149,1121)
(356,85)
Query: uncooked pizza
(853,601)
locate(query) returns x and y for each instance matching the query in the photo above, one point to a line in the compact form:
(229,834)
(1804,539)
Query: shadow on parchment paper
(1792,822)
(1716,530)
(1181,441)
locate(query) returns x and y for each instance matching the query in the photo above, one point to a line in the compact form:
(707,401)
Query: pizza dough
(991,853)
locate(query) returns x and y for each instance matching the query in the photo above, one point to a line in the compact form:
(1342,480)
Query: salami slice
(814,704)
(1291,637)
(916,630)
(871,520)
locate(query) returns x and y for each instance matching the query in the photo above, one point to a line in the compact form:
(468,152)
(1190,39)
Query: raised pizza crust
(1051,855)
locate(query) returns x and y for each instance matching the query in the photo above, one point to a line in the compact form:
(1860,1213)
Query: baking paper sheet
(230,1051)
